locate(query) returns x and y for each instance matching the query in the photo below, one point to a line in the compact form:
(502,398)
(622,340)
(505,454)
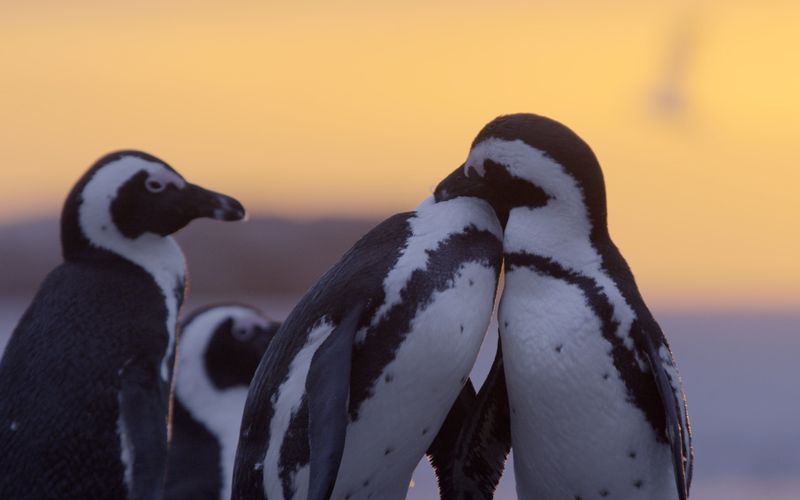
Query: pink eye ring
(154,186)
(243,334)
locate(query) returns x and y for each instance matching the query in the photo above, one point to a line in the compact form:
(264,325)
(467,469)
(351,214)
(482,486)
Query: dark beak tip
(229,210)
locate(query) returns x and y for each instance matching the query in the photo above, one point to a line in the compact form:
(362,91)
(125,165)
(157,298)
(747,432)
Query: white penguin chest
(416,390)
(574,433)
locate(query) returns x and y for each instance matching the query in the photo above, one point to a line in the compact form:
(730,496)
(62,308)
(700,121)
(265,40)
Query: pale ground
(740,374)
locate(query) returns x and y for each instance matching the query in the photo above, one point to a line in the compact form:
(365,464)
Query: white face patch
(219,411)
(99,193)
(475,165)
(159,256)
(523,162)
(562,227)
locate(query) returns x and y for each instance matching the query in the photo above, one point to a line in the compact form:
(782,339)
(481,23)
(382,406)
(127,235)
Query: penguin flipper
(328,389)
(677,421)
(143,411)
(478,456)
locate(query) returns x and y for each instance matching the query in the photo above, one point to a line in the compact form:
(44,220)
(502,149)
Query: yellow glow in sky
(317,108)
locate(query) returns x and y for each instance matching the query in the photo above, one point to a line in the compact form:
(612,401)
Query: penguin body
(596,405)
(219,351)
(84,380)
(364,370)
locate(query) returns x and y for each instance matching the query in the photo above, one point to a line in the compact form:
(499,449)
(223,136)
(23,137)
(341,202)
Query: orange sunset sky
(309,109)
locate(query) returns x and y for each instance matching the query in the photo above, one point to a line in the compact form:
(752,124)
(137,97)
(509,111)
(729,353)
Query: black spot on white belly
(559,347)
(632,454)
(388,450)
(603,493)
(388,378)
(638,484)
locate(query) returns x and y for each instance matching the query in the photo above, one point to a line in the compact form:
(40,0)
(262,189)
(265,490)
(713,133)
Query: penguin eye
(154,186)
(243,334)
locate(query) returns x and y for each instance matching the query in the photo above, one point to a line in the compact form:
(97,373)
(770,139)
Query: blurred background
(325,117)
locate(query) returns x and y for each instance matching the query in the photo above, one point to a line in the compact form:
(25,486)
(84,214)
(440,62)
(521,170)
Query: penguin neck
(568,239)
(89,236)
(561,231)
(218,410)
(159,256)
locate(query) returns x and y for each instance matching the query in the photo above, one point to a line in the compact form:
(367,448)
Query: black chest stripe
(641,389)
(384,339)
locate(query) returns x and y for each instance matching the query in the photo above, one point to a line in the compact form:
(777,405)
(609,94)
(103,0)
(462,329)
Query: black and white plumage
(596,405)
(84,380)
(220,348)
(361,375)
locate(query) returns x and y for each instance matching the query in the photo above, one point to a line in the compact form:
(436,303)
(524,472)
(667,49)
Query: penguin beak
(459,184)
(200,202)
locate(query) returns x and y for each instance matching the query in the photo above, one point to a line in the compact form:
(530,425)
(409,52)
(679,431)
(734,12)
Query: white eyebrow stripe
(166,177)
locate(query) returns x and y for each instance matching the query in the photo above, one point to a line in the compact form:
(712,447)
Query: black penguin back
(60,379)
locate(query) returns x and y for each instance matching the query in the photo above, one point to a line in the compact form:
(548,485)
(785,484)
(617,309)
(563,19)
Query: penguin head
(225,342)
(130,195)
(528,161)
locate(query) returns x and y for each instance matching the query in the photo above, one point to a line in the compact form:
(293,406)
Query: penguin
(363,372)
(597,409)
(220,348)
(84,380)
